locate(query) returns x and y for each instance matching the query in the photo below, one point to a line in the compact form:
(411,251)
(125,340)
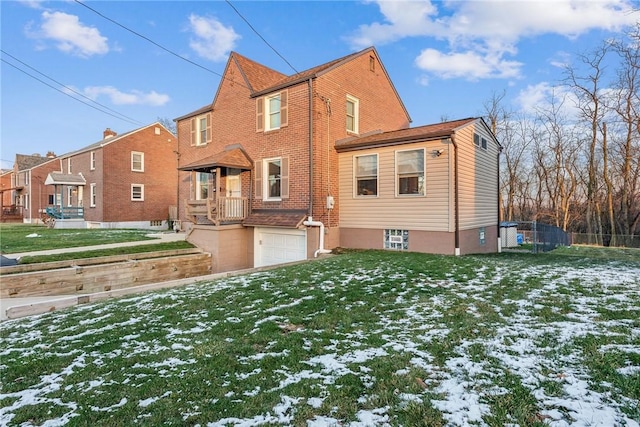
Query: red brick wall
(38,192)
(159,177)
(234,122)
(379,109)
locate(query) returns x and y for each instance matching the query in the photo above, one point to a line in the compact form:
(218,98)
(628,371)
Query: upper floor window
(201,129)
(272,112)
(93,160)
(352,114)
(272,179)
(137,161)
(410,172)
(366,175)
(479,141)
(69,165)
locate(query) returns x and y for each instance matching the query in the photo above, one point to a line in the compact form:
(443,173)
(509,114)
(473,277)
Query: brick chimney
(51,155)
(108,133)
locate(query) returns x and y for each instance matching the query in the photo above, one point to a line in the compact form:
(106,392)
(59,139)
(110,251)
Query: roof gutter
(456,196)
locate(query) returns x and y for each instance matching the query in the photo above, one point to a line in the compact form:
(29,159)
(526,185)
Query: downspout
(456,204)
(311,223)
(310,212)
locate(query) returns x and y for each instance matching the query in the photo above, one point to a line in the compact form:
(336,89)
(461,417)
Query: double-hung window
(137,161)
(272,112)
(92,195)
(93,161)
(202,185)
(272,179)
(366,168)
(201,129)
(410,172)
(352,114)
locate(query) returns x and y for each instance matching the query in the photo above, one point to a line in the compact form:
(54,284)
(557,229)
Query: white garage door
(277,246)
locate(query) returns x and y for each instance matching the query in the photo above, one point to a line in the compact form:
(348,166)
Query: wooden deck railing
(221,210)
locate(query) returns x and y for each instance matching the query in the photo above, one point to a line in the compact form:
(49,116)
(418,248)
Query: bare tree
(626,107)
(587,89)
(556,156)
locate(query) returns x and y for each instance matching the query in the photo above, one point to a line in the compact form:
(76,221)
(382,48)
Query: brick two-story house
(261,178)
(122,181)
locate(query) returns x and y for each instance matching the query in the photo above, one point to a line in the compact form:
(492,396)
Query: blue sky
(446,58)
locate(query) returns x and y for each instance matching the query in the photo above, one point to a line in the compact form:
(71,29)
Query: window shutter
(209,136)
(284,109)
(193,131)
(284,179)
(258,178)
(259,114)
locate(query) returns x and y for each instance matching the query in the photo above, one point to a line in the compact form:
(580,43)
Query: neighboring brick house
(259,170)
(121,181)
(27,186)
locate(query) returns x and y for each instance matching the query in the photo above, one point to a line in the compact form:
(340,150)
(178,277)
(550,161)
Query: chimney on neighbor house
(51,155)
(108,133)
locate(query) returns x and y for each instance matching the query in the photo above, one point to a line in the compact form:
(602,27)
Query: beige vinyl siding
(387,210)
(478,171)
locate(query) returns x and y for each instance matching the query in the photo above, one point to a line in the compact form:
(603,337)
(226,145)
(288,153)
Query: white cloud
(212,40)
(547,97)
(33,4)
(470,65)
(487,32)
(70,35)
(135,97)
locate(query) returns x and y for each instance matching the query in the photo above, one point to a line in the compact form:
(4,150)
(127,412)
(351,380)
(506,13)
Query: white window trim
(69,165)
(133,154)
(424,173)
(265,180)
(92,161)
(69,196)
(93,195)
(355,176)
(141,199)
(198,185)
(267,112)
(199,139)
(356,113)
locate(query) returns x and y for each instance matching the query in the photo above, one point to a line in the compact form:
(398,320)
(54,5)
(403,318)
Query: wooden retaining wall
(101,274)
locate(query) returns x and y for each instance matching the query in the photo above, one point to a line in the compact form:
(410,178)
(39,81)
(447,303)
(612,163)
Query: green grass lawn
(15,238)
(365,338)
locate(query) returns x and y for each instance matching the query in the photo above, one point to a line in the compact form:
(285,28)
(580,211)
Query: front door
(234,188)
(233,203)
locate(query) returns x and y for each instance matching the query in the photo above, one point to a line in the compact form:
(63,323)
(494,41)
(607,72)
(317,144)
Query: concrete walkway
(19,307)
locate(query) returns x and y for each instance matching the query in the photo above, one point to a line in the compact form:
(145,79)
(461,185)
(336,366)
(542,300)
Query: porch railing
(65,212)
(223,209)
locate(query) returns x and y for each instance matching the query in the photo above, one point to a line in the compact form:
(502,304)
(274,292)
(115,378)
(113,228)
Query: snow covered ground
(369,340)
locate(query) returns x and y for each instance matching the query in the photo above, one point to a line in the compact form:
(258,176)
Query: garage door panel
(277,246)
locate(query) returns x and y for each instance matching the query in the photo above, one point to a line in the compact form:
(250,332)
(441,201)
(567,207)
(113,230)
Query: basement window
(396,239)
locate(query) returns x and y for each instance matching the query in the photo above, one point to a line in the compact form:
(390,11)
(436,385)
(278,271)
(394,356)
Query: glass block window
(396,239)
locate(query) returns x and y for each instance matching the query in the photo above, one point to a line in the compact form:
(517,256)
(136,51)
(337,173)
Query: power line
(259,35)
(65,93)
(129,119)
(149,40)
